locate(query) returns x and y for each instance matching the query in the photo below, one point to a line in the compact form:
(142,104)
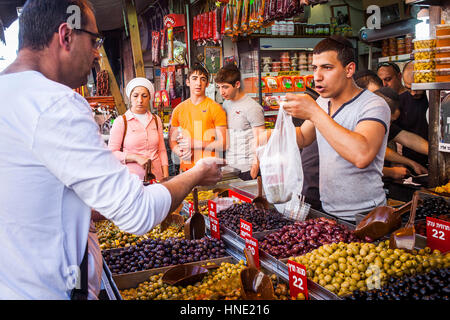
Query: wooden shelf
(397,58)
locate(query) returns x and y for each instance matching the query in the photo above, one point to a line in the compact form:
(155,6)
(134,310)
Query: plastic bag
(280,161)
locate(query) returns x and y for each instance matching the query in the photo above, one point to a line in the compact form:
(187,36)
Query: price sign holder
(246,229)
(213,220)
(252,245)
(297,279)
(238,196)
(438,234)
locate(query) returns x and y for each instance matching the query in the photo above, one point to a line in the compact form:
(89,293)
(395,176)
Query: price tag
(238,196)
(213,220)
(214,225)
(438,234)
(212,207)
(191,208)
(252,245)
(246,229)
(297,279)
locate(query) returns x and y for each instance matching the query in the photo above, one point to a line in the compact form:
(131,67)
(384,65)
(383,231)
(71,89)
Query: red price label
(191,208)
(214,225)
(212,206)
(252,245)
(438,234)
(246,229)
(238,196)
(297,279)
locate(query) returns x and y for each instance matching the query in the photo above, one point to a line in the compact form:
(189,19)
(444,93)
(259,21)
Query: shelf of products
(396,58)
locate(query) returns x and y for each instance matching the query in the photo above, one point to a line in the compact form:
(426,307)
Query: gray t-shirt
(242,116)
(344,188)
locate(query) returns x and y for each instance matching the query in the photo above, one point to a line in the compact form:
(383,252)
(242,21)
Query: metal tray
(421,241)
(133,279)
(127,281)
(246,188)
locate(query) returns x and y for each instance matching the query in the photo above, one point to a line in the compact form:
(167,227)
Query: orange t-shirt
(199,122)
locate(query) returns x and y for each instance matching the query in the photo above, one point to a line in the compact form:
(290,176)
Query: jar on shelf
(409,43)
(326,29)
(401,48)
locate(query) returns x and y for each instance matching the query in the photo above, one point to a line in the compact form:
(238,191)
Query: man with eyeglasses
(54,165)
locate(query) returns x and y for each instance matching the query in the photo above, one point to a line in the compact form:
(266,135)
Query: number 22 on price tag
(438,234)
(297,279)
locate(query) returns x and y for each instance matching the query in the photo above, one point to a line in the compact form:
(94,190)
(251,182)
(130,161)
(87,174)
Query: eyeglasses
(99,39)
(389,64)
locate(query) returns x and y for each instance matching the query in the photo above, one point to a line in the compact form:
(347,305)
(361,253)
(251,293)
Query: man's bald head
(408,79)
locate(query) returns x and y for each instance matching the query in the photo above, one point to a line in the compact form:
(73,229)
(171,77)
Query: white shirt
(54,167)
(242,116)
(345,189)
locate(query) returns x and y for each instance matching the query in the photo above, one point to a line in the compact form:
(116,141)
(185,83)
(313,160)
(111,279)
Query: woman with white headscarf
(143,139)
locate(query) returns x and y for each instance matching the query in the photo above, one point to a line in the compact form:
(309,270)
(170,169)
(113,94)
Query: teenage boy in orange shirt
(198,124)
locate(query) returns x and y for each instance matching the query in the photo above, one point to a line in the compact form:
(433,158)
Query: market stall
(288,251)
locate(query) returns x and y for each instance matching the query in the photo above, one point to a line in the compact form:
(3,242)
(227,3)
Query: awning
(109,13)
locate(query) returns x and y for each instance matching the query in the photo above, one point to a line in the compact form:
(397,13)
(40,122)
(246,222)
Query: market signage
(238,196)
(213,220)
(246,229)
(297,279)
(438,234)
(252,245)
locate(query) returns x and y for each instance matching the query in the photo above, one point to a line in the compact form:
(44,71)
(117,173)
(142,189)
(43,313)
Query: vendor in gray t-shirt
(245,118)
(351,129)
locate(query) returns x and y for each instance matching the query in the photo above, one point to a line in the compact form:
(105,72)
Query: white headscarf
(140,82)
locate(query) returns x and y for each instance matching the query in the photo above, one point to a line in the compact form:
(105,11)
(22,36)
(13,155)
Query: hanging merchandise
(179,53)
(236,16)
(210,25)
(163,79)
(171,84)
(165,98)
(170,45)
(228,30)
(216,26)
(162,43)
(244,27)
(156,57)
(158,100)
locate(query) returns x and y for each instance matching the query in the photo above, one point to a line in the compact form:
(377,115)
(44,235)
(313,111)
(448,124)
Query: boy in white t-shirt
(245,118)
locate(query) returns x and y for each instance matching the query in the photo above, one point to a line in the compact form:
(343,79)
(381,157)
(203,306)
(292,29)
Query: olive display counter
(434,206)
(338,265)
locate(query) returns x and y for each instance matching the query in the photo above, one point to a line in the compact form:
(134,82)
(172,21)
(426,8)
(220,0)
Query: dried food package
(237,8)
(281,174)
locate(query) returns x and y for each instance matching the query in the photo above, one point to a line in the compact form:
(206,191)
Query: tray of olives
(221,283)
(156,253)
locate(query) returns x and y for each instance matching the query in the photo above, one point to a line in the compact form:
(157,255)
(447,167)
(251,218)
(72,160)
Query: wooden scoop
(260,202)
(405,238)
(173,219)
(381,221)
(195,228)
(149,176)
(183,275)
(255,285)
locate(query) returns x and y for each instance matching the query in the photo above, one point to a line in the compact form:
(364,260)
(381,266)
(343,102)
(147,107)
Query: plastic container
(442,41)
(272,84)
(424,54)
(424,76)
(309,81)
(443,75)
(299,83)
(428,64)
(424,44)
(443,52)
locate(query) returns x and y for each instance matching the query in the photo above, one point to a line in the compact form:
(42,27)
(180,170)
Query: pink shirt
(148,141)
